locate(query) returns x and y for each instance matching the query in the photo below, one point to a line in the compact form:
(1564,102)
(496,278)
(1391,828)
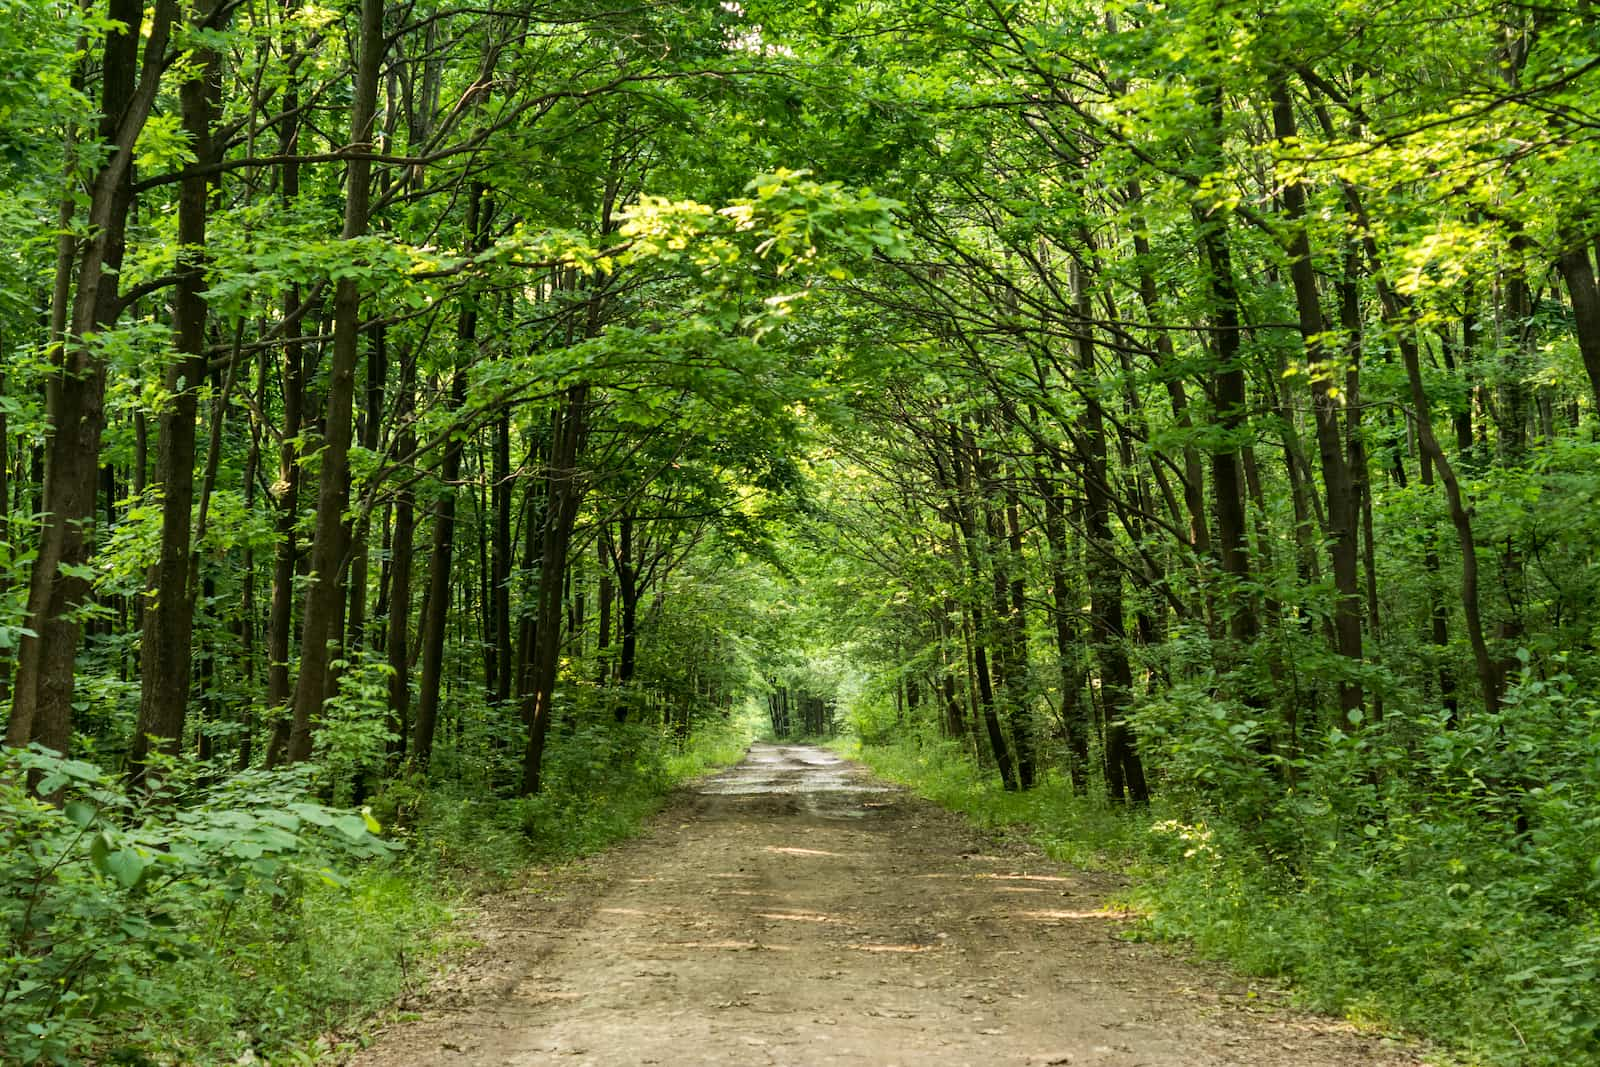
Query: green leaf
(315,814)
(352,826)
(125,865)
(79,813)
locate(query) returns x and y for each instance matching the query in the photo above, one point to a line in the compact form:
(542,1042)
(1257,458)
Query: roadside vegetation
(1422,920)
(227,919)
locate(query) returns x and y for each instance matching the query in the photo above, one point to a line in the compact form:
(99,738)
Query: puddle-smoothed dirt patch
(794,910)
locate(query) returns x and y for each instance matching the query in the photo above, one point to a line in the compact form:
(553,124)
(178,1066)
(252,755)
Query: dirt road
(794,910)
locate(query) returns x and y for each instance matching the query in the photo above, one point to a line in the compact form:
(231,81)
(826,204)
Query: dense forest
(427,430)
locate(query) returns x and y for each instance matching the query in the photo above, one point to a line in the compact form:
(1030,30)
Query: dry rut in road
(794,910)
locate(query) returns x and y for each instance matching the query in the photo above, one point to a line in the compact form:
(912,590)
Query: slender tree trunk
(1397,317)
(1018,701)
(167,648)
(1342,498)
(5,534)
(42,696)
(603,637)
(534,500)
(1228,388)
(955,718)
(1006,664)
(628,602)
(328,548)
(397,641)
(1226,474)
(1488,675)
(968,524)
(1356,447)
(1124,770)
(1075,715)
(286,514)
(500,593)
(248,621)
(569,429)
(360,552)
(286,493)
(437,619)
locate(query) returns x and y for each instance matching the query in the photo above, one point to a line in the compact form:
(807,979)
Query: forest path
(795,910)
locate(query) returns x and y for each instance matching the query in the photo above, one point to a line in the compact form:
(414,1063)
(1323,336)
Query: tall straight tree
(325,593)
(42,696)
(569,431)
(1342,501)
(167,649)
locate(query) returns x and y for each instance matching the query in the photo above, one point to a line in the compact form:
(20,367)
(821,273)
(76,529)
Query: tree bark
(500,593)
(628,606)
(965,508)
(286,493)
(5,535)
(1075,714)
(1578,273)
(328,548)
(1107,630)
(437,618)
(41,708)
(568,432)
(397,641)
(1341,496)
(166,652)
(360,551)
(605,595)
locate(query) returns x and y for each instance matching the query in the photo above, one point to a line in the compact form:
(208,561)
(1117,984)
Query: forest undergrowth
(242,920)
(1397,901)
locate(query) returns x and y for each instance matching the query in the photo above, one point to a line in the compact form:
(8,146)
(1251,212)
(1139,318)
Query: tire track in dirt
(796,911)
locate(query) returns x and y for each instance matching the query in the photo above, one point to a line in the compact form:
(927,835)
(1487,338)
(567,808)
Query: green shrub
(1442,878)
(102,895)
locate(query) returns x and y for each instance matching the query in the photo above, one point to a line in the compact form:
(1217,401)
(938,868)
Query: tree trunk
(360,551)
(41,708)
(1064,612)
(1014,627)
(967,522)
(1397,317)
(401,550)
(603,637)
(1228,390)
(1578,273)
(565,493)
(1341,496)
(167,648)
(325,594)
(5,535)
(437,619)
(628,604)
(500,577)
(955,719)
(286,493)
(1107,630)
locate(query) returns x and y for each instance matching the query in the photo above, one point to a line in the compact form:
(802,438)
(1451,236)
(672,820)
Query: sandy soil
(796,911)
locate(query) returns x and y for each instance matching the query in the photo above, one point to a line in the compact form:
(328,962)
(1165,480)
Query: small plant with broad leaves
(100,890)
